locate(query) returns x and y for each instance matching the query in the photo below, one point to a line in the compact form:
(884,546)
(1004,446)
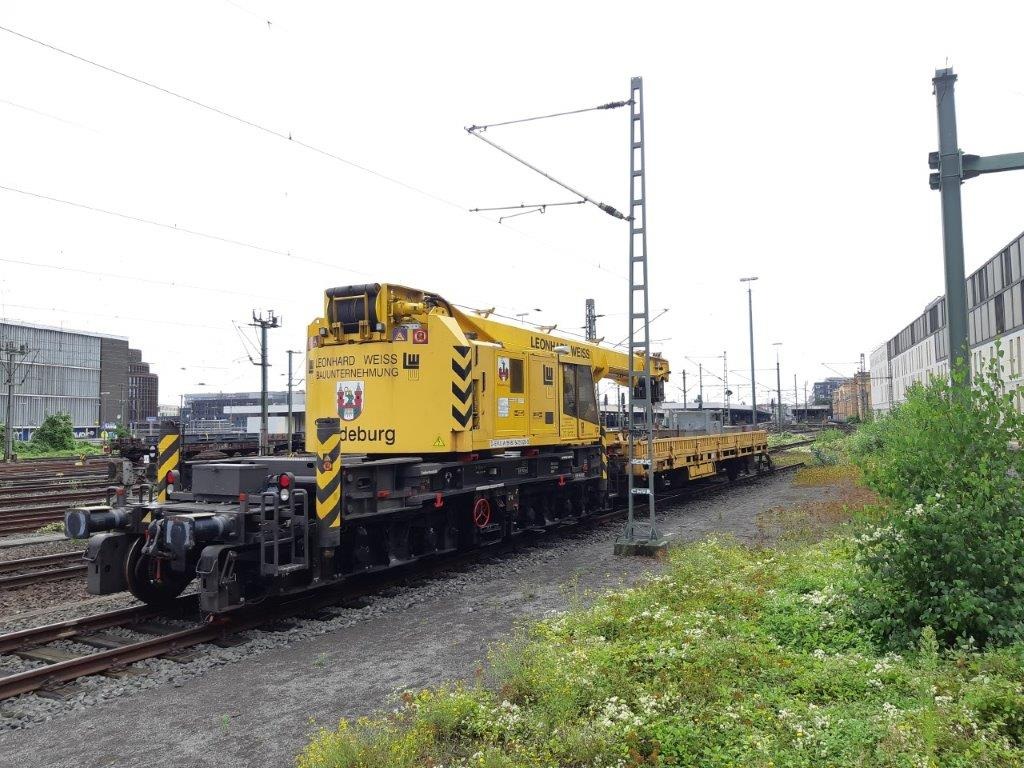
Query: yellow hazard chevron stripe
(328,481)
(462,386)
(168,458)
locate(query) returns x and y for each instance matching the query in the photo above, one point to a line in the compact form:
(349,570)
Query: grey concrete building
(81,373)
(822,391)
(143,391)
(239,412)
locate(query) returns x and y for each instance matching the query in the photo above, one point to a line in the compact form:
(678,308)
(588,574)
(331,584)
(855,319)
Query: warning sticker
(438,442)
(503,407)
(399,333)
(419,336)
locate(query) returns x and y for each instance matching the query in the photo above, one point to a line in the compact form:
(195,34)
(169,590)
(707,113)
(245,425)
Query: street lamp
(778,384)
(753,381)
(181,406)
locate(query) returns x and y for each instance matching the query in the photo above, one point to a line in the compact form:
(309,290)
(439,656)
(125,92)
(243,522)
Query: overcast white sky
(784,140)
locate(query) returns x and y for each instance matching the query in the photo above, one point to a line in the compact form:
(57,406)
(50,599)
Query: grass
(82,448)
(786,458)
(735,656)
(845,475)
(776,439)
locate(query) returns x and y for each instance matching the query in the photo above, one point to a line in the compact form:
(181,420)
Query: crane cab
(406,372)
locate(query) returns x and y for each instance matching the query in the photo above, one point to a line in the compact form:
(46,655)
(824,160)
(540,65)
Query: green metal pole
(950,179)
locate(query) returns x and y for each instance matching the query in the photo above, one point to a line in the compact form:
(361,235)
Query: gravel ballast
(19,605)
(257,703)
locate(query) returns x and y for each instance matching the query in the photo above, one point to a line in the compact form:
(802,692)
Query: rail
(67,564)
(125,651)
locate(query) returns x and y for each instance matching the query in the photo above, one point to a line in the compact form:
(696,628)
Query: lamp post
(778,384)
(753,381)
(181,407)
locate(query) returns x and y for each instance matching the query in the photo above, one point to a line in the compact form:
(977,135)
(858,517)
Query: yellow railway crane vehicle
(433,431)
(406,372)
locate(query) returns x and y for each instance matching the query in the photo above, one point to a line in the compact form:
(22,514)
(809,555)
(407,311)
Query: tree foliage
(56,433)
(950,554)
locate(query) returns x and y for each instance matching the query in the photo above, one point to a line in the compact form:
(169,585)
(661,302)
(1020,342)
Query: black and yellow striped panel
(328,480)
(168,459)
(462,387)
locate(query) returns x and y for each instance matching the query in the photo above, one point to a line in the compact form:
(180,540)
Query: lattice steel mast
(638,536)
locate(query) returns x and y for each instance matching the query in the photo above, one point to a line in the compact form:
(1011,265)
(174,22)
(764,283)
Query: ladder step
(638,202)
(639,315)
(637,144)
(637,173)
(639,287)
(638,231)
(638,258)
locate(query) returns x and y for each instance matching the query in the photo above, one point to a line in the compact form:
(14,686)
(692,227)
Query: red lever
(438,501)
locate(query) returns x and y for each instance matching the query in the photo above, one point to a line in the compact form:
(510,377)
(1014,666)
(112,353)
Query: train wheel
(152,585)
(482,513)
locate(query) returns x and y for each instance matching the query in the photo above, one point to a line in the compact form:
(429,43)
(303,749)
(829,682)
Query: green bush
(950,555)
(56,433)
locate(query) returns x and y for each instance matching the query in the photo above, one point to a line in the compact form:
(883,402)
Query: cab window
(516,376)
(569,407)
(586,394)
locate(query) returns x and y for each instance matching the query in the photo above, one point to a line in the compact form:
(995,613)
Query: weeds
(735,656)
(835,474)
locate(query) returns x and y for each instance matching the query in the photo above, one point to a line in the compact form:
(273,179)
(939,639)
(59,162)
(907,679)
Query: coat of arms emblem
(351,398)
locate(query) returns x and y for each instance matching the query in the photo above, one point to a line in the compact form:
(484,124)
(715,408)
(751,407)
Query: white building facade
(995,302)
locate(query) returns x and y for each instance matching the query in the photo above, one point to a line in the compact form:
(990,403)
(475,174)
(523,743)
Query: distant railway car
(429,431)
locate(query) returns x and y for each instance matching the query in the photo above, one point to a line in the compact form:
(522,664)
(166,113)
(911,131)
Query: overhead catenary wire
(609,105)
(183,230)
(257,126)
(245,340)
(526,209)
(525,205)
(141,220)
(649,323)
(135,278)
(47,115)
(224,113)
(66,311)
(611,211)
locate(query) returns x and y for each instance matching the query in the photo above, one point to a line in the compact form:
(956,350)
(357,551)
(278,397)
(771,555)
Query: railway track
(30,470)
(163,639)
(16,488)
(37,570)
(787,446)
(31,510)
